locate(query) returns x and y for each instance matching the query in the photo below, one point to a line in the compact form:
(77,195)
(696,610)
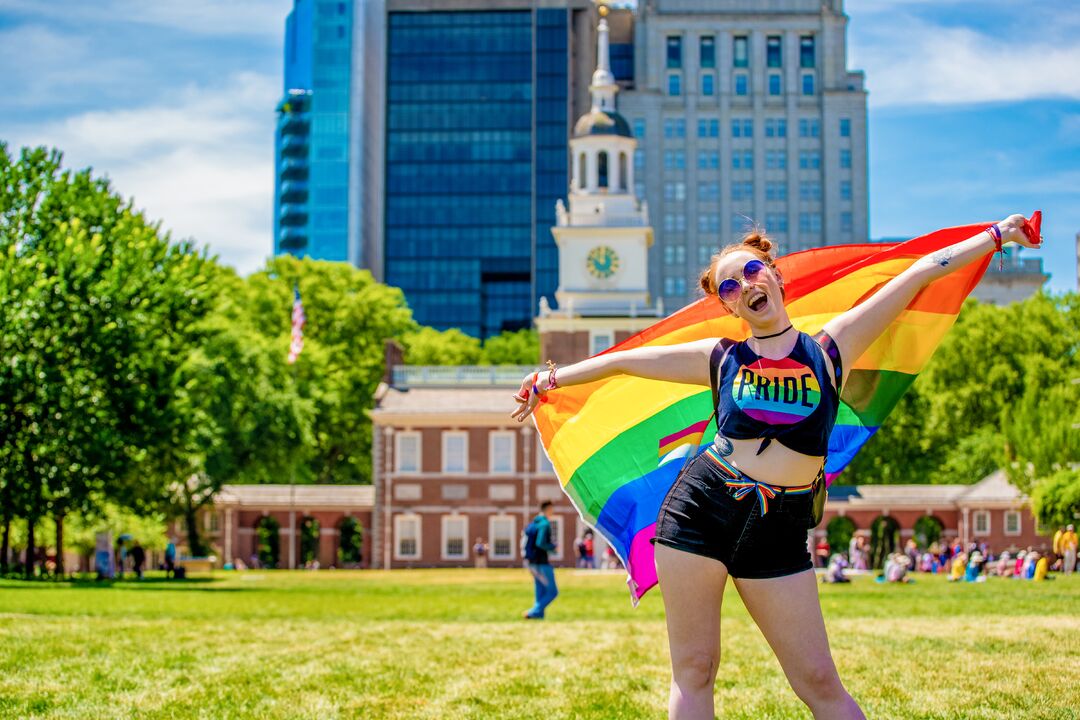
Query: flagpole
(296,346)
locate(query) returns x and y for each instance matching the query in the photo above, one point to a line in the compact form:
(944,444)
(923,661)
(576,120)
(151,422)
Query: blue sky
(974,110)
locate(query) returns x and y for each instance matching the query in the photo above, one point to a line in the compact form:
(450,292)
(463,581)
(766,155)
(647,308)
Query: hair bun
(757,241)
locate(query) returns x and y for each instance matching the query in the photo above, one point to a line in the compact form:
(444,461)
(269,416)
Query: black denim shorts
(756,530)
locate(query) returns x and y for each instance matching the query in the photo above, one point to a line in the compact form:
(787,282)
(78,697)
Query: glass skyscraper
(311,192)
(476,137)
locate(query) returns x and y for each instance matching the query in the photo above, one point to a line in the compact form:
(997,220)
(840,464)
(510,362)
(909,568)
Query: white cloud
(937,65)
(949,52)
(199,17)
(202,164)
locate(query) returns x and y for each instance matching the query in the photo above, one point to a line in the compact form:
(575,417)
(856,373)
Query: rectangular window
(772,51)
(808,84)
(503,492)
(1012,522)
(454,530)
(674,128)
(741,51)
(708,127)
(407,452)
(704,254)
(674,160)
(742,127)
(845,159)
(407,491)
(708,160)
(809,190)
(501,459)
(846,223)
(543,462)
(675,191)
(742,84)
(740,222)
(708,51)
(776,191)
(454,491)
(674,52)
(708,223)
(774,84)
(600,340)
(639,128)
(845,189)
(455,447)
(674,286)
(980,521)
(708,191)
(809,222)
(809,127)
(775,159)
(501,530)
(556,538)
(806,51)
(639,161)
(673,255)
(775,127)
(407,537)
(810,160)
(708,84)
(674,84)
(845,127)
(742,191)
(776,222)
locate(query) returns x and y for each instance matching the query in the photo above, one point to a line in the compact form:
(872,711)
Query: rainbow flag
(618,444)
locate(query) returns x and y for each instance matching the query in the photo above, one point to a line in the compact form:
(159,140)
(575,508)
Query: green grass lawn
(450,644)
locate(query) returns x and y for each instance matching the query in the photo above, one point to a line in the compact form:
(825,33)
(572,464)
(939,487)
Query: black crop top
(792,399)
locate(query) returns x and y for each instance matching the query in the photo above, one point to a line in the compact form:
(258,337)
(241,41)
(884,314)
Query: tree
(1055,501)
(1041,431)
(512,348)
(428,346)
(97,307)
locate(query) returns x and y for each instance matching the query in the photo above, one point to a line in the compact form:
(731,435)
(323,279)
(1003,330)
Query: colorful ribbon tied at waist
(744,486)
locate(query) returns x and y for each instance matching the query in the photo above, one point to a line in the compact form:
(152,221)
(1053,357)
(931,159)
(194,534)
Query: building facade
(328,150)
(746,114)
(478,101)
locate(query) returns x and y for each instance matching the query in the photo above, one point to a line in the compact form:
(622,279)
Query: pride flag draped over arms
(617,444)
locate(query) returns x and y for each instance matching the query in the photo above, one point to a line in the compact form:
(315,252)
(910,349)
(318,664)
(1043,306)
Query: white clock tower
(604,236)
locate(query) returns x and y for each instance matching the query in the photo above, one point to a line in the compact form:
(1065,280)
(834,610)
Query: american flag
(298,320)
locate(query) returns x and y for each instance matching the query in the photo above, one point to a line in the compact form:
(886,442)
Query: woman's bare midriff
(777,465)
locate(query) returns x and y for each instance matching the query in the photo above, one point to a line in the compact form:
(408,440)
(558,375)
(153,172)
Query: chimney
(393,355)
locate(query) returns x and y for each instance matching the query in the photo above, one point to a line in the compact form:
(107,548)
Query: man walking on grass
(538,543)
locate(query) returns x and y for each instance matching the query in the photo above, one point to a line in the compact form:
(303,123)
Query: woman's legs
(693,588)
(788,612)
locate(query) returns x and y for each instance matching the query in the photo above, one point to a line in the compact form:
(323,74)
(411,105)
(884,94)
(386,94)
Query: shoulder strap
(829,347)
(716,361)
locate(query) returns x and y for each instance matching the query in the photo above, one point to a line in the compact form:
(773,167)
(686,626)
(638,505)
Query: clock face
(602,262)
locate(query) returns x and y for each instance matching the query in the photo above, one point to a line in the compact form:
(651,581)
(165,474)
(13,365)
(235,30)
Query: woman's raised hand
(1020,230)
(526,399)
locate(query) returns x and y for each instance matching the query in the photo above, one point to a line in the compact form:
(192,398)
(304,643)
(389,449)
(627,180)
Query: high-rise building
(746,114)
(478,105)
(320,143)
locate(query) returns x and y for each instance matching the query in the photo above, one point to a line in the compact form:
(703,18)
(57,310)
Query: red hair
(754,242)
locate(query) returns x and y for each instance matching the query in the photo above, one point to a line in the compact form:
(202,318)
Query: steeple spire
(603,87)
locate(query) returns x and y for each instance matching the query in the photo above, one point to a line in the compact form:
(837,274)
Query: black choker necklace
(766,337)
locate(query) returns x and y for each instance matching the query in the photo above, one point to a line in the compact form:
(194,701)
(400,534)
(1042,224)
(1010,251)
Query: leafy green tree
(1041,431)
(512,348)
(350,316)
(96,314)
(1055,500)
(428,346)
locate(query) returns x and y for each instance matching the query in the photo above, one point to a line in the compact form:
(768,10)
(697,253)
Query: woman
(742,507)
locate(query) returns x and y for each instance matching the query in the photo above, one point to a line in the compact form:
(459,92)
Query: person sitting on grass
(835,572)
(959,565)
(973,573)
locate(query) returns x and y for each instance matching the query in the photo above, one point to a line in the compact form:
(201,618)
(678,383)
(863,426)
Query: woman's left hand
(526,399)
(1012,230)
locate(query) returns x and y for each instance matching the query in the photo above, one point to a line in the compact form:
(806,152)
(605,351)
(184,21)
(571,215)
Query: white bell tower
(604,236)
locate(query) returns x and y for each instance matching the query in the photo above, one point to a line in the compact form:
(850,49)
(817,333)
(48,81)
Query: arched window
(268,548)
(309,541)
(351,543)
(622,172)
(602,169)
(582,178)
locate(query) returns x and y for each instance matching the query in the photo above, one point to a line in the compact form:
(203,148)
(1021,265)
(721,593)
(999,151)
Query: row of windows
(502,452)
(741,84)
(740,51)
(809,222)
(456,541)
(675,128)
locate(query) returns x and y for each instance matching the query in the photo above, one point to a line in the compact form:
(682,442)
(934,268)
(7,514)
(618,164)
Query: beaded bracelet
(552,380)
(995,234)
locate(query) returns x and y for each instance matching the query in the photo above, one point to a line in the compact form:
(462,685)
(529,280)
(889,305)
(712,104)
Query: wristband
(552,380)
(995,234)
